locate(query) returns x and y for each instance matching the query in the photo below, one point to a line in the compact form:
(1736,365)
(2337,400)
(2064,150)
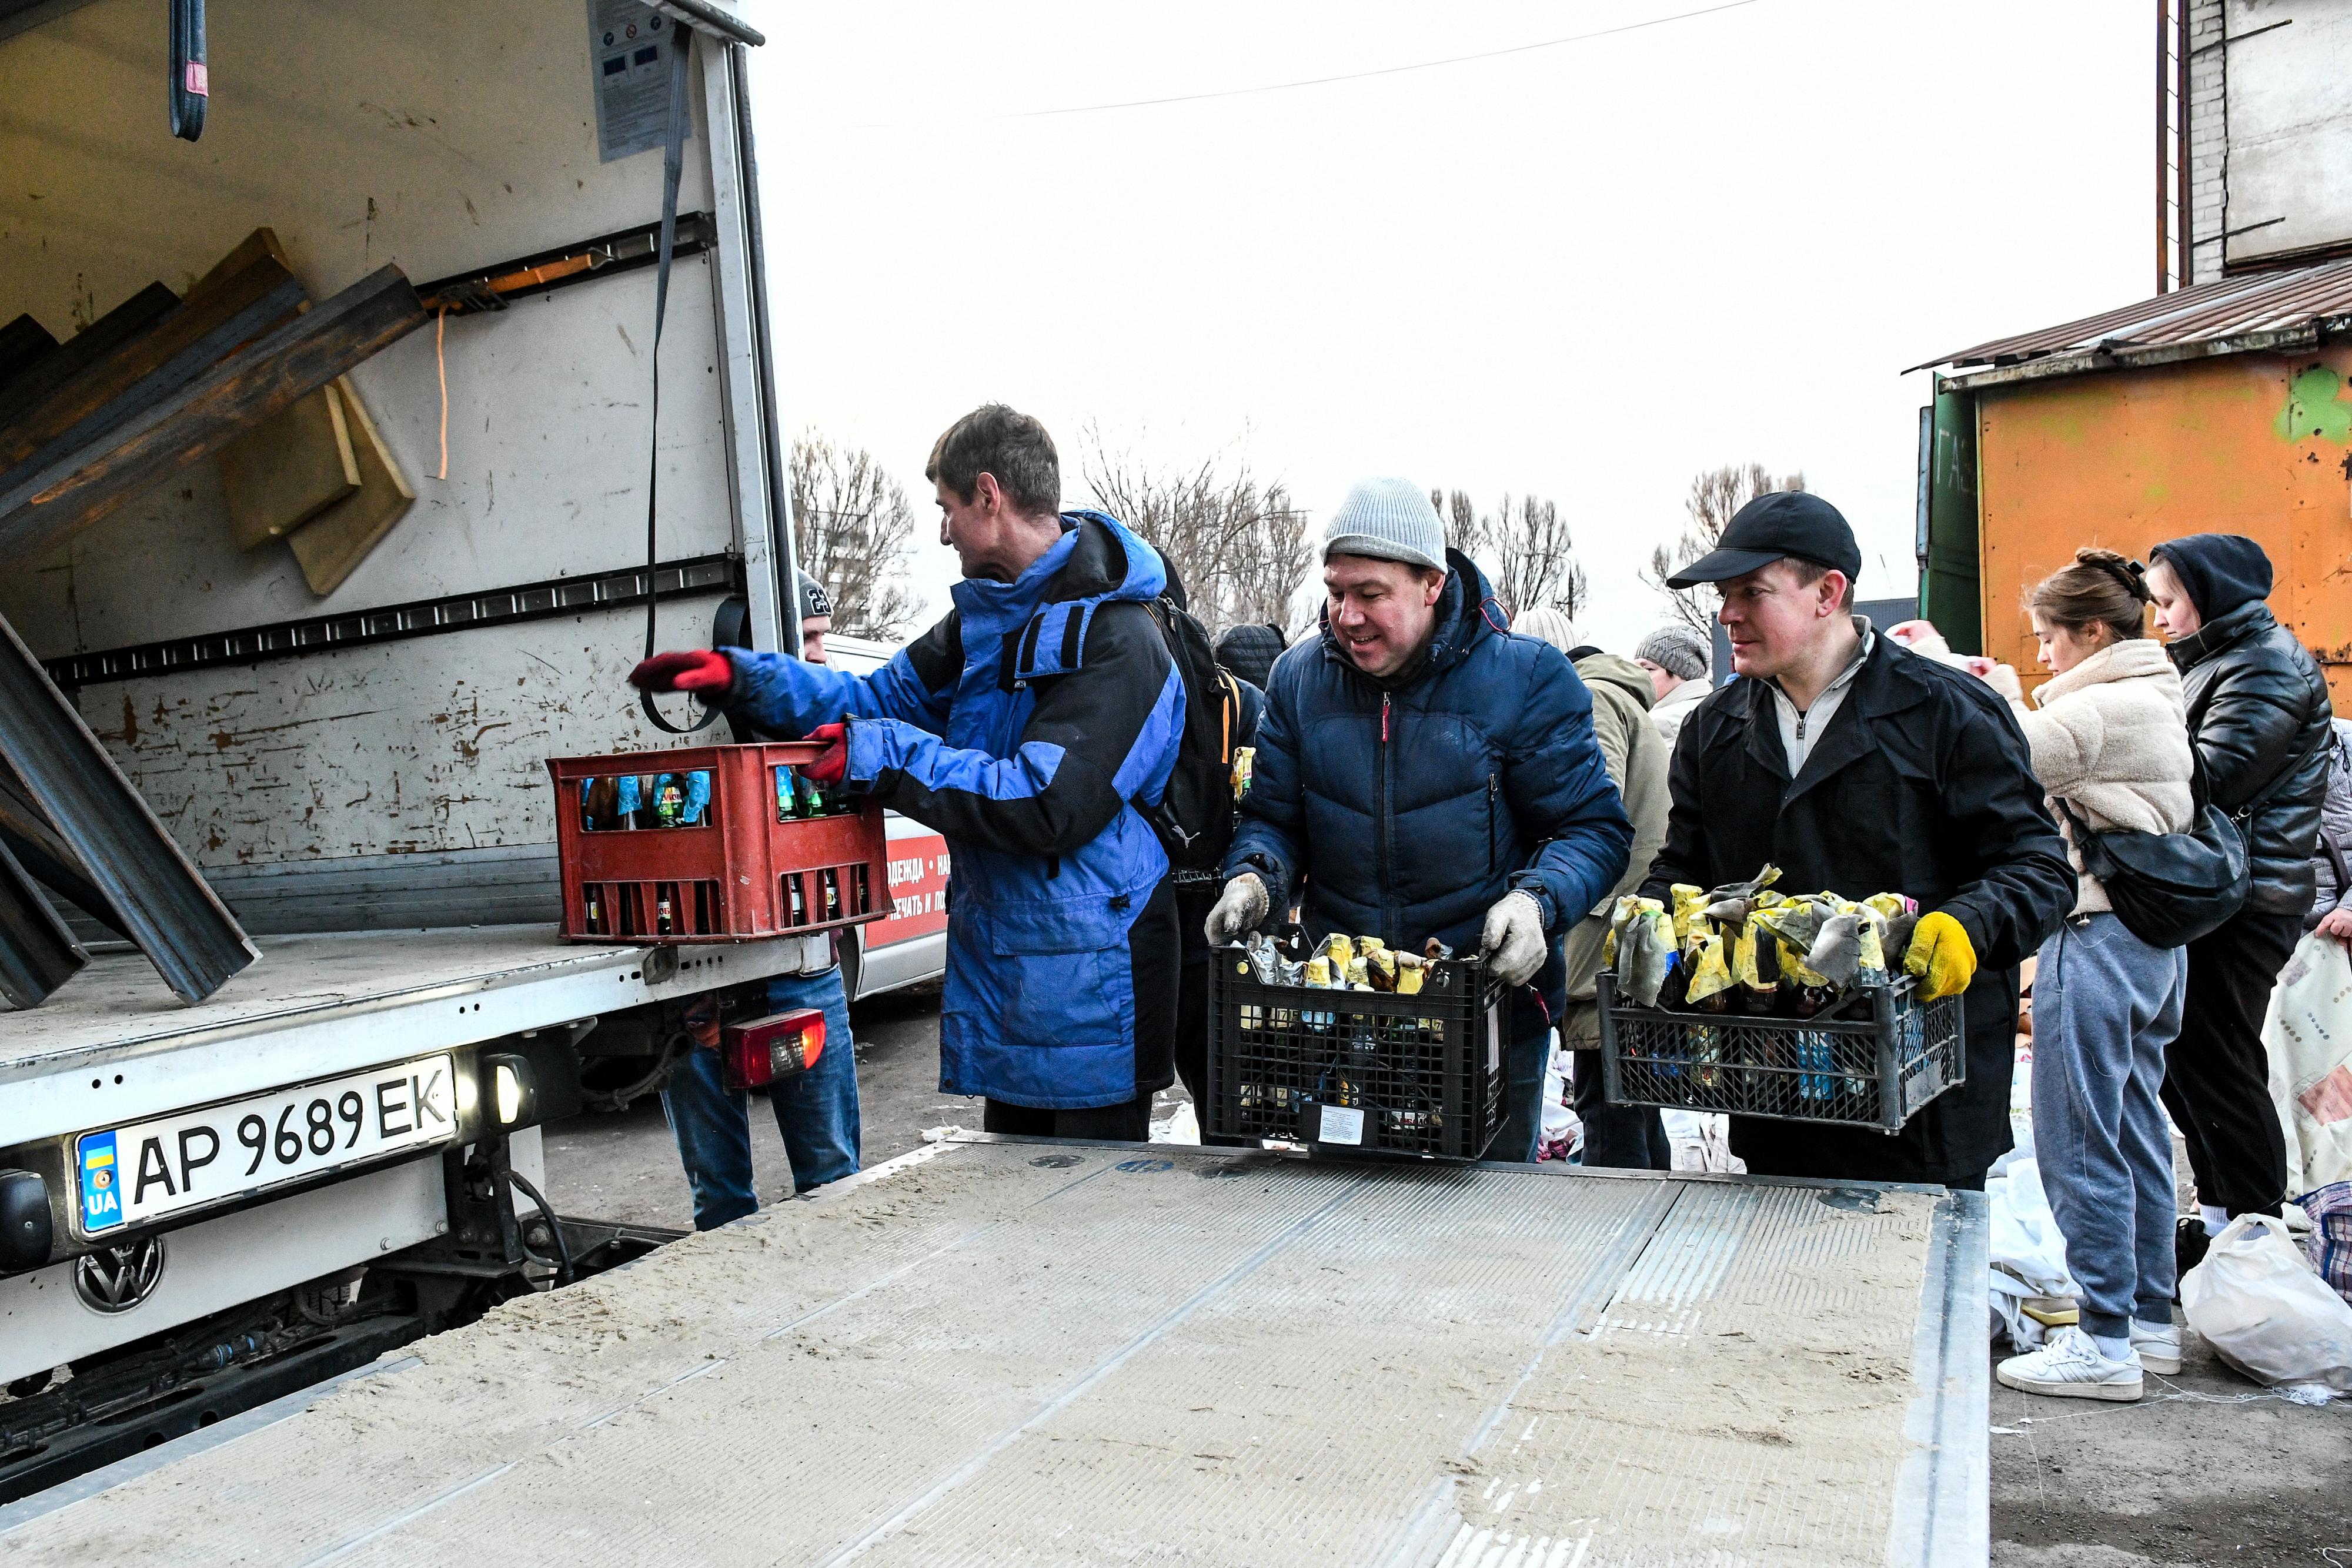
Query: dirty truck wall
(2258,445)
(442,137)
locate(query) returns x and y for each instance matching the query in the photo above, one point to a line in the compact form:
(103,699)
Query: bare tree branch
(1715,497)
(1239,546)
(1526,544)
(851,523)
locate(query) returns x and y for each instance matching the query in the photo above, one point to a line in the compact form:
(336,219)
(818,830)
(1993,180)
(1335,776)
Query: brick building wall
(2207,140)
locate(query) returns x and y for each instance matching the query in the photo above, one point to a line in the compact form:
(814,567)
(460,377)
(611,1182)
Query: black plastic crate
(1369,1069)
(1873,1069)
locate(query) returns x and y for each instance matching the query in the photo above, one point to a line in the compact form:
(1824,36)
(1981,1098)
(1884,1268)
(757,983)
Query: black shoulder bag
(2169,889)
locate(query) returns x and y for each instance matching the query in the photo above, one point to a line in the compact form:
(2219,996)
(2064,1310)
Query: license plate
(193,1159)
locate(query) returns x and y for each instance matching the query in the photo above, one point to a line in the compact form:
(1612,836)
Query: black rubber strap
(681,46)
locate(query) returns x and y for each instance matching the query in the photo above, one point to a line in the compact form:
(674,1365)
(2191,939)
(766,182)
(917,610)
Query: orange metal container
(739,876)
(2253,443)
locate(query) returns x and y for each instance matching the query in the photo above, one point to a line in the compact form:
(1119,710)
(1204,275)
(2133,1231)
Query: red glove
(833,760)
(703,670)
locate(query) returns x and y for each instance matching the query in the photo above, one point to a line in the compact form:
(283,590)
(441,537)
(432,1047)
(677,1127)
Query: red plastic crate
(729,879)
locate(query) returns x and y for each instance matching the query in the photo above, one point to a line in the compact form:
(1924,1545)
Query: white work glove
(1241,907)
(1513,941)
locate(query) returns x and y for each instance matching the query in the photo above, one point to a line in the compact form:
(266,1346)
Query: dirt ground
(2208,1468)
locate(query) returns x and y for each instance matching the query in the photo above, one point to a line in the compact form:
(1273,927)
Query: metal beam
(176,919)
(37,953)
(27,833)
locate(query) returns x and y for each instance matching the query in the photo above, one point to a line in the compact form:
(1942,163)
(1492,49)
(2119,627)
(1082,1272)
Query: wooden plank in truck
(299,357)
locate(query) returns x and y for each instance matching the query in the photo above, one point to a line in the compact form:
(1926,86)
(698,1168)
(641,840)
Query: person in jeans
(2258,712)
(1629,1137)
(2110,743)
(816,1111)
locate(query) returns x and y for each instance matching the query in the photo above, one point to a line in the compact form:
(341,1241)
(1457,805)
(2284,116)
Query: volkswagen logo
(117,1279)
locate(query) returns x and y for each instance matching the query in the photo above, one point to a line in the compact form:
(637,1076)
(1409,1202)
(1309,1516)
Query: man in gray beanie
(1677,658)
(1422,772)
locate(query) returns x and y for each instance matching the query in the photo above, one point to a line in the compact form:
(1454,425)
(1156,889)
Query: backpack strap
(1053,642)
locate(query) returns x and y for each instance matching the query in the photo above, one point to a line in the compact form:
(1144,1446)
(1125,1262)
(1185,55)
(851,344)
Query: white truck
(315,1160)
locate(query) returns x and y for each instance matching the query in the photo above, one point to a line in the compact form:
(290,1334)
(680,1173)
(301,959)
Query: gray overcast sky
(1587,270)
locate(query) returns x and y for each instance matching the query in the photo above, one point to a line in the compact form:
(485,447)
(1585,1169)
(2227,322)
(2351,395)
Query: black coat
(1919,786)
(2257,703)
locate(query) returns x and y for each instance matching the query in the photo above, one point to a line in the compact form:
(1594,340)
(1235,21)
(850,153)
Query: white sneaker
(2071,1367)
(2158,1349)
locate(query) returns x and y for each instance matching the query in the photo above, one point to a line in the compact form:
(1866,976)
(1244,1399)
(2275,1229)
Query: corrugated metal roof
(2229,315)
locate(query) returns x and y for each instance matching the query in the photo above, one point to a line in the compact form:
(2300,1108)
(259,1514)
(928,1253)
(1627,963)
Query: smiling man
(1858,767)
(1422,772)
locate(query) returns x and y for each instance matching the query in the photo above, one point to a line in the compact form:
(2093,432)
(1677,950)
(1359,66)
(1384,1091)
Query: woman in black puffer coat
(2258,712)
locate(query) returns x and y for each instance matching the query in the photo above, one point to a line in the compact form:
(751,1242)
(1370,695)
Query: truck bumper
(205,1268)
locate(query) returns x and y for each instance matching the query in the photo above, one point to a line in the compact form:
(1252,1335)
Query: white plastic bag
(2257,1301)
(2308,1034)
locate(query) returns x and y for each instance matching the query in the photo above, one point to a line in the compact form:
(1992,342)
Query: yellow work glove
(1941,956)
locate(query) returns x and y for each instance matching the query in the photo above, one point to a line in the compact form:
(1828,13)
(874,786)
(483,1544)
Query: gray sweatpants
(2106,1005)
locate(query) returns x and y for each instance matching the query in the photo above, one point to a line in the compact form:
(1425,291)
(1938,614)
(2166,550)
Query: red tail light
(763,1049)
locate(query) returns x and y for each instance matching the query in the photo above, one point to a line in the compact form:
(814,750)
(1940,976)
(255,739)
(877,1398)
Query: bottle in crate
(787,796)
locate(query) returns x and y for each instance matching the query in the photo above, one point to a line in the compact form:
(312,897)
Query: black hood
(1250,651)
(2220,571)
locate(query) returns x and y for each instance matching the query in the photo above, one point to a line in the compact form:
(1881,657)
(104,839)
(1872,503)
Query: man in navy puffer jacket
(1028,726)
(1425,773)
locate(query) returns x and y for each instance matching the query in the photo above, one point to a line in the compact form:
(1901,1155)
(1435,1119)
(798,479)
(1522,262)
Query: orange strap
(531,276)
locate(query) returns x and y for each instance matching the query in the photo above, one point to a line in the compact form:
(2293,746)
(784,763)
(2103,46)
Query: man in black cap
(1857,768)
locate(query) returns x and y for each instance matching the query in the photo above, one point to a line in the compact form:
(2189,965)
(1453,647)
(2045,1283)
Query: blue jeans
(1524,1058)
(816,1112)
(2105,1007)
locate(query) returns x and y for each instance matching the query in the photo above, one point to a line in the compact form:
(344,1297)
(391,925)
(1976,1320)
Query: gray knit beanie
(1388,518)
(1679,651)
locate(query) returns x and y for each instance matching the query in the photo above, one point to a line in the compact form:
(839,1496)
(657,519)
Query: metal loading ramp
(1008,1351)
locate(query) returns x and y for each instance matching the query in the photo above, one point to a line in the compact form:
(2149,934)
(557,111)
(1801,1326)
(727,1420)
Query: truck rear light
(763,1049)
(514,1090)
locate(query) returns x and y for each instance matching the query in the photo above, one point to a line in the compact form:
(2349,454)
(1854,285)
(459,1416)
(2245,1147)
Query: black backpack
(1194,818)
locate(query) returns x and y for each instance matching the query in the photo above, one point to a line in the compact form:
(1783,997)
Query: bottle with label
(664,923)
(813,801)
(787,802)
(799,903)
(669,803)
(832,893)
(595,910)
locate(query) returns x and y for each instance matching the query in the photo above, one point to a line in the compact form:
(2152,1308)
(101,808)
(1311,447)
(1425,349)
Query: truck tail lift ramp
(999,1349)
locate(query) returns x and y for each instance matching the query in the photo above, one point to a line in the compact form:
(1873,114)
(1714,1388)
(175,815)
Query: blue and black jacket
(1026,727)
(1408,807)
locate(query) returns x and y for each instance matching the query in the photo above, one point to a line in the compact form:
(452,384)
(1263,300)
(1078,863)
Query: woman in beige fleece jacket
(2110,740)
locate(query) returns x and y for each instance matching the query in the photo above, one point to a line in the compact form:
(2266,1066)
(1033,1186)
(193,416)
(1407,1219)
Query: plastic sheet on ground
(2029,1255)
(1702,1141)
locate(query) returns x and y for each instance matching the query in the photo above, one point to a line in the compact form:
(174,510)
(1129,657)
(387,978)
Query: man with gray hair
(1422,772)
(1677,658)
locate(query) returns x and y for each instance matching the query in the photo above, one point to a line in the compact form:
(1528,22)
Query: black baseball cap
(1782,523)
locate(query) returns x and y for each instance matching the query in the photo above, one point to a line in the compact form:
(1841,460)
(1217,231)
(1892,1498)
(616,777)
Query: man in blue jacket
(1028,727)
(1425,773)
